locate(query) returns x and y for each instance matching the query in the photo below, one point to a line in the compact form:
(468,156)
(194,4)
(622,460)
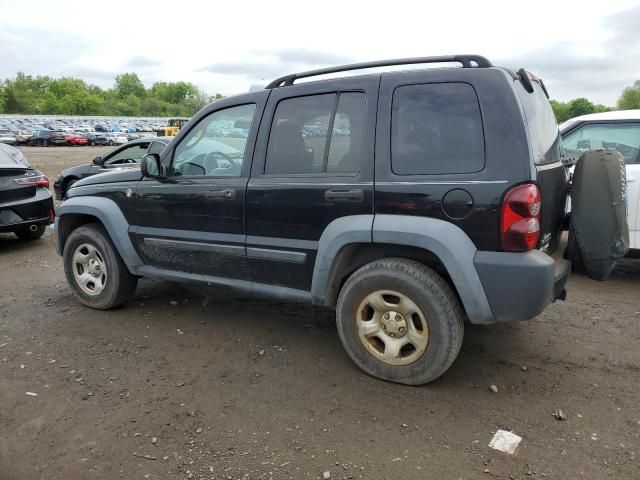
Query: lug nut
(398,318)
(386,316)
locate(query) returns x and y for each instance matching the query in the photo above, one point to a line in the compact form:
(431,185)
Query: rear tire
(26,234)
(400,321)
(94,269)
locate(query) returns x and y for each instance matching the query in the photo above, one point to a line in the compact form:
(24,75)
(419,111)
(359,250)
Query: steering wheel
(211,157)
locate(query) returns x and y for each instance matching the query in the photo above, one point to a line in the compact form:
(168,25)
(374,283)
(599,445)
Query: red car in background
(73,139)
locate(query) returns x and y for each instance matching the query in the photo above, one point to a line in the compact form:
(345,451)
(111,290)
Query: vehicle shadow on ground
(9,243)
(266,321)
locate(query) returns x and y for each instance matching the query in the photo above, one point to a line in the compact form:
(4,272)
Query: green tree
(561,110)
(198,102)
(128,84)
(630,98)
(580,106)
(1,97)
(72,96)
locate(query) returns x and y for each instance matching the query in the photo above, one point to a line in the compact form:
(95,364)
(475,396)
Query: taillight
(52,215)
(39,180)
(520,218)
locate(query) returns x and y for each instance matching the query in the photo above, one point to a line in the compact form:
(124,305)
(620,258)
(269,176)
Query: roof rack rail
(467,61)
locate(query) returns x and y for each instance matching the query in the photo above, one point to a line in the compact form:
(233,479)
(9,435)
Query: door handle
(355,194)
(225,194)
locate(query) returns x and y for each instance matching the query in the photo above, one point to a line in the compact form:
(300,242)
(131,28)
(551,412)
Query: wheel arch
(345,246)
(78,211)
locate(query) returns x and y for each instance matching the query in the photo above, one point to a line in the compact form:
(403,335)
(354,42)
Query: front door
(193,220)
(313,164)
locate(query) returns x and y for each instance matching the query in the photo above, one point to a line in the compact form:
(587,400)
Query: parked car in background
(125,156)
(26,206)
(116,138)
(23,136)
(618,130)
(76,139)
(7,136)
(57,138)
(40,138)
(96,139)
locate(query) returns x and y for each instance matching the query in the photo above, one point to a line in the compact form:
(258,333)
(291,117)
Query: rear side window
(436,129)
(541,123)
(318,134)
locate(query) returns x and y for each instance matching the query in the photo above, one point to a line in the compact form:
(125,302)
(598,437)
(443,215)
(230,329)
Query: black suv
(408,201)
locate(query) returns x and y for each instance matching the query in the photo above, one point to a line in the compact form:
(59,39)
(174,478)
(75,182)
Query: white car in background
(116,138)
(619,130)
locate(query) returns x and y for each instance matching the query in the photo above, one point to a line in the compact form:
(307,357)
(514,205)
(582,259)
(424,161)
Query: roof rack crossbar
(467,61)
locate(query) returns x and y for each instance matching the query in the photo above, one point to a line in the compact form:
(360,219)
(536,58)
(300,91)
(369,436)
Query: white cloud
(578,48)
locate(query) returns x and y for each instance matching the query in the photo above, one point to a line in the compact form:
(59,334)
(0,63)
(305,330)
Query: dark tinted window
(541,123)
(298,140)
(345,149)
(436,128)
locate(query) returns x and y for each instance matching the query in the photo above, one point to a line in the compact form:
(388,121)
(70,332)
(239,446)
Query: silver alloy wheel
(392,328)
(89,269)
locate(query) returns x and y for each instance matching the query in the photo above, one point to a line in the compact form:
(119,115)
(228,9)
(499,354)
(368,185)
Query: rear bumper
(519,286)
(29,211)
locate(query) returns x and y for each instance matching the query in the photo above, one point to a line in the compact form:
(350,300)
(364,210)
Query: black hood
(78,171)
(115,175)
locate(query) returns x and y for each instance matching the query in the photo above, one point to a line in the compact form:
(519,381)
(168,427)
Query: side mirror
(98,161)
(150,166)
(156,147)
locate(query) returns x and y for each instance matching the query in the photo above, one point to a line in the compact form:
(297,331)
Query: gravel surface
(197,383)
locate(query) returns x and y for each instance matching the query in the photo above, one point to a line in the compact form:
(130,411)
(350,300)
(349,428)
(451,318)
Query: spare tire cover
(599,211)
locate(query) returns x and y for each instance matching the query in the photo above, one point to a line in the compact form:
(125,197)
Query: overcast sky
(580,48)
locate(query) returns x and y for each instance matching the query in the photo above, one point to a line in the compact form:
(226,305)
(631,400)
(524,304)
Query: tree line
(43,95)
(629,99)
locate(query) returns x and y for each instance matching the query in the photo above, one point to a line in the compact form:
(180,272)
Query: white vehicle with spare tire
(617,131)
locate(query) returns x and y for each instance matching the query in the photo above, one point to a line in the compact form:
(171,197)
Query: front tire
(94,269)
(400,321)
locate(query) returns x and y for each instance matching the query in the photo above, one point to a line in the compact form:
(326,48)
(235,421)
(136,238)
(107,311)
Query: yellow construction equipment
(173,127)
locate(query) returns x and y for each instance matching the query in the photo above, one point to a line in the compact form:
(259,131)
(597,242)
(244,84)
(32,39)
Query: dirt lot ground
(197,383)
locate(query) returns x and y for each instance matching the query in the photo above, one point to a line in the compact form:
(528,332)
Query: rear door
(550,172)
(313,164)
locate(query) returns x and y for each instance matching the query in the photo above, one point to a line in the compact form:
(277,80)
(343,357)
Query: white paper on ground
(504,441)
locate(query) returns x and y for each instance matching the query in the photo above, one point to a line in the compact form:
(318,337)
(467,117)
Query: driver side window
(128,156)
(216,145)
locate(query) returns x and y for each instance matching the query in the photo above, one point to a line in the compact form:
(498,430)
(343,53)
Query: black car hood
(115,175)
(77,171)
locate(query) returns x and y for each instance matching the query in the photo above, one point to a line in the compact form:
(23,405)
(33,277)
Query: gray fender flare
(338,234)
(111,217)
(447,241)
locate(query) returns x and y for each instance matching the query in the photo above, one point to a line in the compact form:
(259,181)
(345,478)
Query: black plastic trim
(194,246)
(467,61)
